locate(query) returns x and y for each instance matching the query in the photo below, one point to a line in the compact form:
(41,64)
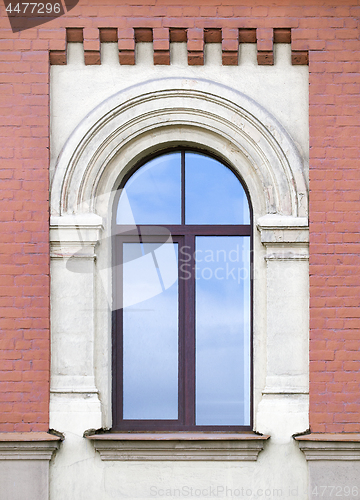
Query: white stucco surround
(104,120)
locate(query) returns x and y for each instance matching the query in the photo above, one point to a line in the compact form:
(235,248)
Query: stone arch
(147,117)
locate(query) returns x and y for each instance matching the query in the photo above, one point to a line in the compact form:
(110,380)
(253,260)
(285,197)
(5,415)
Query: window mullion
(118,327)
(189,333)
(182,187)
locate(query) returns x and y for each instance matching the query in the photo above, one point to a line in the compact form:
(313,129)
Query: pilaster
(74,399)
(286,389)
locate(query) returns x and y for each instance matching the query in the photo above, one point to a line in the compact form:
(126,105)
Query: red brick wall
(331,34)
(24,248)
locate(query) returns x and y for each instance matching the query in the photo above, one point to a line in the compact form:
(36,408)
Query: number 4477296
(335,491)
(34,8)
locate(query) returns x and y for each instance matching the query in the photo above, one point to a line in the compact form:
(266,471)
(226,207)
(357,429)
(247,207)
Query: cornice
(74,236)
(330,446)
(28,445)
(179,446)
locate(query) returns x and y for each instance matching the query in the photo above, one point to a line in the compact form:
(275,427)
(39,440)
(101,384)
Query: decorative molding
(74,390)
(181,109)
(330,446)
(277,221)
(292,385)
(287,256)
(74,236)
(179,446)
(280,230)
(28,446)
(286,390)
(73,384)
(285,238)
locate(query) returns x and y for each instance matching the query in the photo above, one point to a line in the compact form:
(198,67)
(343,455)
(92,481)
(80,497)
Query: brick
(299,57)
(259,11)
(212,35)
(282,35)
(161,45)
(161,34)
(230,34)
(230,45)
(195,45)
(242,11)
(127,57)
(247,35)
(195,58)
(143,35)
(108,35)
(74,35)
(92,57)
(10,376)
(162,57)
(230,58)
(178,35)
(265,58)
(264,39)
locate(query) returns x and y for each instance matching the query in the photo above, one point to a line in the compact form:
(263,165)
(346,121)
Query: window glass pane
(150,331)
(213,193)
(222,330)
(152,195)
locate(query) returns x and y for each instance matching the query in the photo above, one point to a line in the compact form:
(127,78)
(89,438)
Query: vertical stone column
(284,406)
(74,401)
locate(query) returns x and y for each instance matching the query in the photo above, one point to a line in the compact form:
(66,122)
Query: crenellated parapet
(196,39)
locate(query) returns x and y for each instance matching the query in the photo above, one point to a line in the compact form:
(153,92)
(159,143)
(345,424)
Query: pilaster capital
(285,237)
(74,235)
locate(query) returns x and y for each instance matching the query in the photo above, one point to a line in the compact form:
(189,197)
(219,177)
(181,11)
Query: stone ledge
(279,230)
(179,446)
(74,236)
(28,445)
(330,446)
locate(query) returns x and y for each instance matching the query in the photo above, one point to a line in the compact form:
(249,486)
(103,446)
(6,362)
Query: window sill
(179,446)
(330,446)
(28,445)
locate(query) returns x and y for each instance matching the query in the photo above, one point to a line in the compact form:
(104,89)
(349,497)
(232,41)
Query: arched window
(182,286)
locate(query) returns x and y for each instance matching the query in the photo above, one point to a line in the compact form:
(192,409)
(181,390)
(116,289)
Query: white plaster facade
(104,119)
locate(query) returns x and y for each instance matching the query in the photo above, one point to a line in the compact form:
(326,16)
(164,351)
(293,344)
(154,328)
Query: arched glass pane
(213,194)
(152,195)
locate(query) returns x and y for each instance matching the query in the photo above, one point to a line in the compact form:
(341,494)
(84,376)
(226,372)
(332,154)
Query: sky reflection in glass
(213,193)
(213,196)
(152,195)
(150,332)
(222,330)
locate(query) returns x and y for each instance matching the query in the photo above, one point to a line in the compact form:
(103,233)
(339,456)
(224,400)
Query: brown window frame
(181,234)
